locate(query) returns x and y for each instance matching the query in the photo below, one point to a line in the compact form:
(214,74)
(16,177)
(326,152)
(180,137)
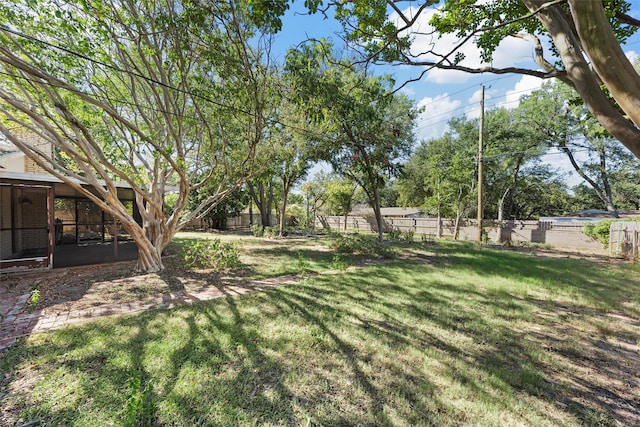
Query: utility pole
(480,178)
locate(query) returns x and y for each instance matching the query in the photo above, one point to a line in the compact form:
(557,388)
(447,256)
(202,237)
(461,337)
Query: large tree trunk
(286,187)
(149,257)
(151,238)
(263,201)
(378,214)
(579,72)
(607,58)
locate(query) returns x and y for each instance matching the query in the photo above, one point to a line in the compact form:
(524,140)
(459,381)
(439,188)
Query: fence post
(611,227)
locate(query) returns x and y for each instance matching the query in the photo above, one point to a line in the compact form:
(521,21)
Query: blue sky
(446,94)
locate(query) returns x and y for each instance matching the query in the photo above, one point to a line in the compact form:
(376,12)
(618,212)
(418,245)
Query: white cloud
(632,56)
(432,122)
(410,92)
(525,86)
(440,76)
(473,105)
(513,50)
(427,45)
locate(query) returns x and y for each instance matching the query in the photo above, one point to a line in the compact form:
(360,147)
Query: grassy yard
(445,334)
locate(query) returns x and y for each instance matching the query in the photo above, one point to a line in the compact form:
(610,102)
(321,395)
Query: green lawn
(446,334)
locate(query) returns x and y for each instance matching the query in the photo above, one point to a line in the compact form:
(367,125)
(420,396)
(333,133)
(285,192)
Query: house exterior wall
(30,166)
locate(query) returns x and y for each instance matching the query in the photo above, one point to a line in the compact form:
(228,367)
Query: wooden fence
(557,234)
(567,235)
(624,238)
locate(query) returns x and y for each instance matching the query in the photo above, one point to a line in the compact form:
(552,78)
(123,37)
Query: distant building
(590,215)
(388,212)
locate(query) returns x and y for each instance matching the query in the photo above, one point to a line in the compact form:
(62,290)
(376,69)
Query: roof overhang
(49,179)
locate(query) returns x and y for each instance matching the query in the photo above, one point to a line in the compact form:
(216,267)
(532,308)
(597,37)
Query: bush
(303,264)
(360,244)
(599,231)
(408,235)
(257,230)
(394,234)
(210,254)
(270,232)
(339,263)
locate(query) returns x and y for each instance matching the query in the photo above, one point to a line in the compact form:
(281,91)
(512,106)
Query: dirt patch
(81,288)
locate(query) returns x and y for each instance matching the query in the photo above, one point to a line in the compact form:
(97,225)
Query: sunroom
(45,223)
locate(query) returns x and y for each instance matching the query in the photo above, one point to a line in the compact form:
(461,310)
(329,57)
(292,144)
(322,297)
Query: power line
(202,97)
(466,89)
(217,103)
(150,80)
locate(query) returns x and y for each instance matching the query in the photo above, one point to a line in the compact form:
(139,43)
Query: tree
(294,148)
(626,186)
(262,194)
(555,116)
(231,206)
(389,194)
(369,128)
(584,197)
(540,192)
(440,175)
(340,196)
(511,151)
(159,95)
(315,195)
(584,36)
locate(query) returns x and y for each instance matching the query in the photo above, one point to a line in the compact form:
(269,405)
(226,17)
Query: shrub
(210,254)
(424,237)
(256,229)
(138,410)
(408,235)
(599,231)
(339,263)
(35,297)
(270,232)
(394,234)
(360,244)
(303,264)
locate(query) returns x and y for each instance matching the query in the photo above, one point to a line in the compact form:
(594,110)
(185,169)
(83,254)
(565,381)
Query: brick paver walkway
(16,321)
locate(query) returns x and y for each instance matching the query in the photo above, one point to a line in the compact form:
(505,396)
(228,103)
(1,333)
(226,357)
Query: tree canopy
(369,129)
(584,37)
(163,96)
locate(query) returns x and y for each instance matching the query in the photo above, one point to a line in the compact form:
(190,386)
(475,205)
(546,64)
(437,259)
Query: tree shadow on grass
(521,361)
(292,355)
(593,281)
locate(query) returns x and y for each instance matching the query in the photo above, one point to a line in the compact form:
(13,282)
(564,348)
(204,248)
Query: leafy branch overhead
(169,97)
(370,128)
(584,39)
